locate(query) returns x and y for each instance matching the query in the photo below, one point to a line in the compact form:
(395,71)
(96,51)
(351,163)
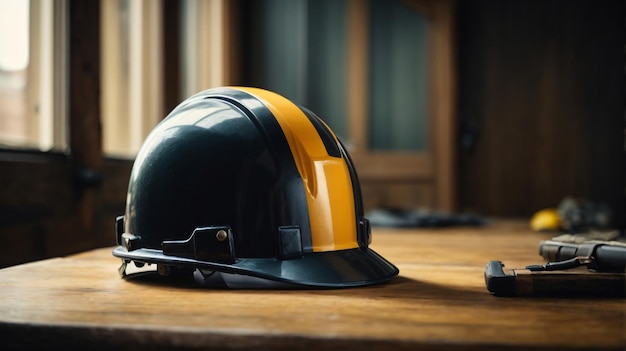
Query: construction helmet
(243,187)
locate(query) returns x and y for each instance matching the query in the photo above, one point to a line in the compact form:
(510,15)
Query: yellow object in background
(546,220)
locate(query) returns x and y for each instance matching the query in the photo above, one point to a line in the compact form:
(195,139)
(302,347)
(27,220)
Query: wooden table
(439,301)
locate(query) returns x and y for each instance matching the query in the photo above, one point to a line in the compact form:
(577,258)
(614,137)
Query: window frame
(436,165)
(59,202)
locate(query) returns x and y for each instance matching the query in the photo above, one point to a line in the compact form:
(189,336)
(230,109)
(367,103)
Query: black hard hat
(244,183)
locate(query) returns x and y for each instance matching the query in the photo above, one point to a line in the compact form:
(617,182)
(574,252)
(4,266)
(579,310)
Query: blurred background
(493,108)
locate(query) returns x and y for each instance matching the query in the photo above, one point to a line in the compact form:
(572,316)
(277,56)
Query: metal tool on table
(591,268)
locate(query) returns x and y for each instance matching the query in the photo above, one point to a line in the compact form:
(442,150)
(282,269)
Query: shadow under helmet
(244,185)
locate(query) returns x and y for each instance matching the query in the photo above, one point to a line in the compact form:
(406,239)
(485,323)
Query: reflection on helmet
(248,189)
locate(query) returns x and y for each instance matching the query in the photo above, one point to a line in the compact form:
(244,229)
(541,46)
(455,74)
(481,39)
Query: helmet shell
(242,180)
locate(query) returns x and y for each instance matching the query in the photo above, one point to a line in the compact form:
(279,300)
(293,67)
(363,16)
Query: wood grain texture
(439,301)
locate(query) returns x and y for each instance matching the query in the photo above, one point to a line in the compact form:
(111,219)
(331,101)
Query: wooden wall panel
(39,206)
(541,95)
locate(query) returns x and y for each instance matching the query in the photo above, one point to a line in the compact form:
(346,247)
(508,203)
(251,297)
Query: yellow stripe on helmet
(326,179)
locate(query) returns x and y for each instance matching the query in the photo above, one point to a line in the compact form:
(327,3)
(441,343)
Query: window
(131,73)
(133,67)
(55,202)
(32,74)
(205,38)
(397,103)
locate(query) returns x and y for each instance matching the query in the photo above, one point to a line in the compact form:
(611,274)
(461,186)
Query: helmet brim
(332,269)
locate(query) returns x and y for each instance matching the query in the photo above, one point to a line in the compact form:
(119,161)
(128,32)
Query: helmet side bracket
(289,242)
(211,244)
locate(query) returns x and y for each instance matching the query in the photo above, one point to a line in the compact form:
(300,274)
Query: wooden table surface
(439,301)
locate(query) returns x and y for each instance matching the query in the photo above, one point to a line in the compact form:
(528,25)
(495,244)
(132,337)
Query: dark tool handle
(498,282)
(570,283)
